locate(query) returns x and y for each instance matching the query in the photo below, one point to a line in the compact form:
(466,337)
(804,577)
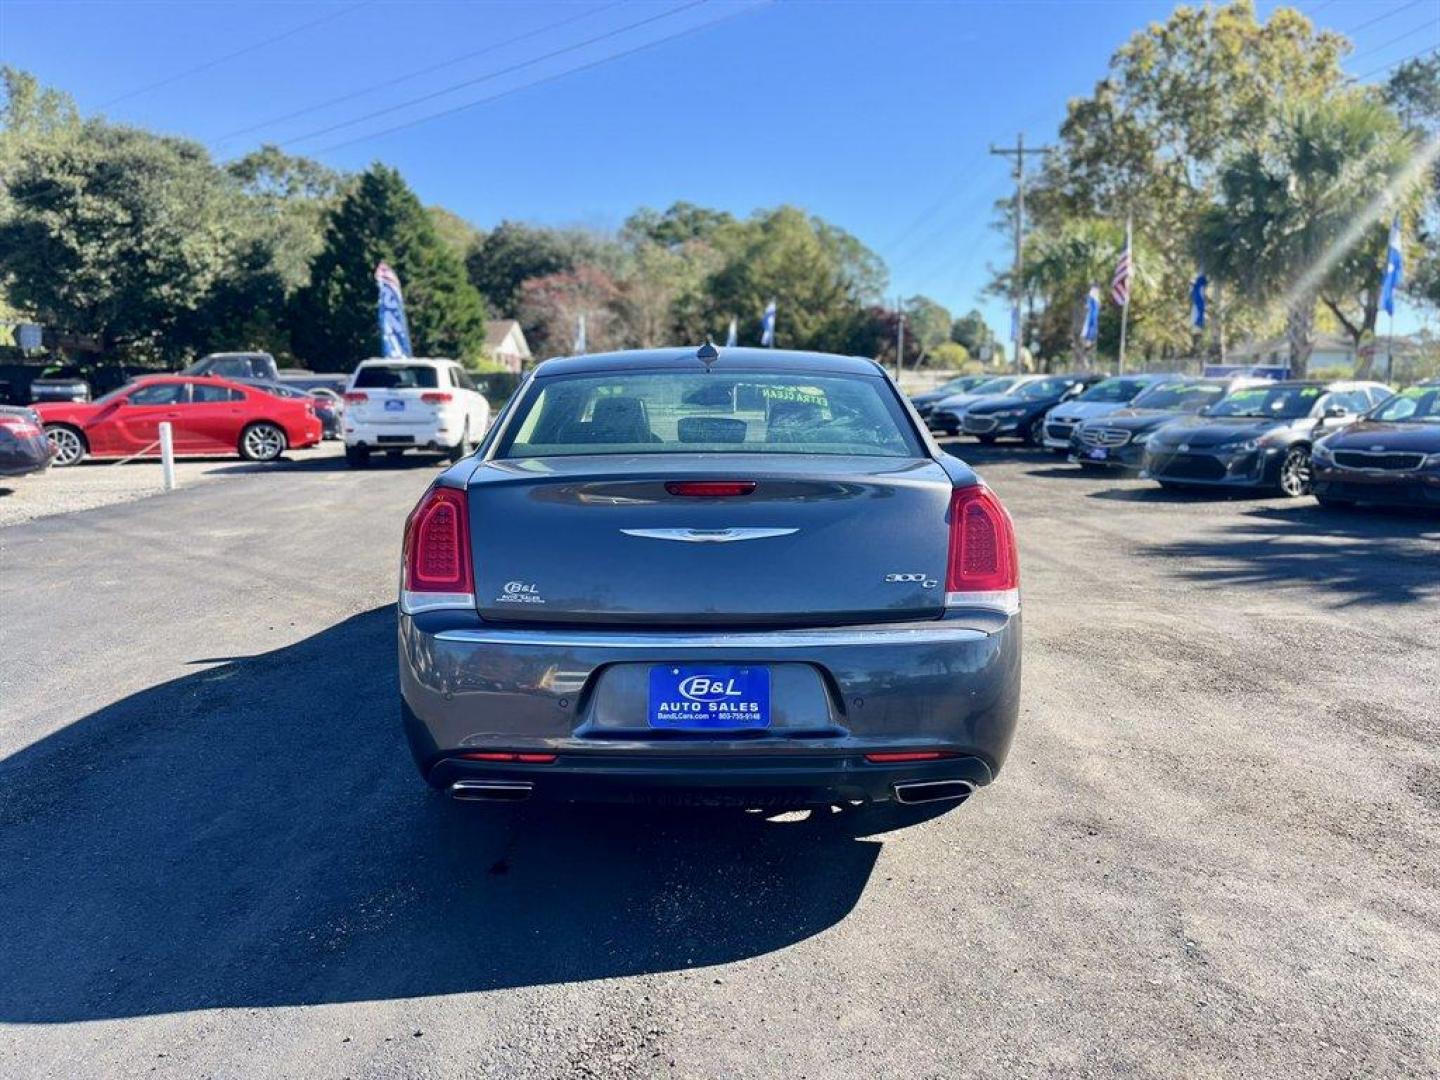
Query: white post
(167,457)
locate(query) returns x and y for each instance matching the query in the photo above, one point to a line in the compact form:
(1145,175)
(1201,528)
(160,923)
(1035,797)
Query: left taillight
(20,427)
(437,571)
(984,566)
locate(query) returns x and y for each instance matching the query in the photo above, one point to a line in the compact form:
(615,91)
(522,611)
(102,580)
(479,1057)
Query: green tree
(116,233)
(819,275)
(381,220)
(971,331)
(1179,100)
(927,325)
(1297,221)
(513,252)
(1413,91)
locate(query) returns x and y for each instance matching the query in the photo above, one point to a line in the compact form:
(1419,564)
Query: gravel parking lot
(1213,851)
(103,483)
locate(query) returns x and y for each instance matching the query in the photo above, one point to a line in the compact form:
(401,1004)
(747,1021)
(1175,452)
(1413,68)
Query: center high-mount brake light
(437,569)
(984,567)
(710,489)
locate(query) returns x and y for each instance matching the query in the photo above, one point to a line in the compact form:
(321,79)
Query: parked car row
(1345,441)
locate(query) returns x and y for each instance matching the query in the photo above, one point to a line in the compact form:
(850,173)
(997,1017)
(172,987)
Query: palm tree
(1297,212)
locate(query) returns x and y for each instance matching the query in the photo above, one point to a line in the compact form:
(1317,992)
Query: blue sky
(877,116)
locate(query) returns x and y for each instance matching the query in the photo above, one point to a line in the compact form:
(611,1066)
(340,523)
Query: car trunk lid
(818,539)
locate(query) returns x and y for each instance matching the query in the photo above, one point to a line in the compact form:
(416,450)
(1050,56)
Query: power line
(494,74)
(233,55)
(1393,41)
(1396,63)
(547,78)
(372,88)
(1383,17)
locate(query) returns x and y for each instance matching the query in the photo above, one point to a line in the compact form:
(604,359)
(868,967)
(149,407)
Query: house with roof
(505,344)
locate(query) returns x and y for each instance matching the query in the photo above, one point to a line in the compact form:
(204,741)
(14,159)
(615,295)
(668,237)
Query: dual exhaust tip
(913,792)
(490,790)
(910,793)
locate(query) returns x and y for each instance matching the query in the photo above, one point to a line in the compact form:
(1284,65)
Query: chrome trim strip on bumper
(920,634)
(1006,601)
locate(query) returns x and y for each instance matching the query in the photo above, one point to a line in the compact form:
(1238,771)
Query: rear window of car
(694,412)
(396,377)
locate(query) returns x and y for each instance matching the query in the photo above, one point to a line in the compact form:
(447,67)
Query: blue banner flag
(1394,265)
(1015,325)
(1197,301)
(767,325)
(1092,315)
(394,332)
(732,334)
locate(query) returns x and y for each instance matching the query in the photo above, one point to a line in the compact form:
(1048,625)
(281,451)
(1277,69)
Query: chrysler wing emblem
(707,536)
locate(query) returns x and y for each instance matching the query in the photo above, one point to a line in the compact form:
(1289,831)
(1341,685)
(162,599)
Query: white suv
(406,403)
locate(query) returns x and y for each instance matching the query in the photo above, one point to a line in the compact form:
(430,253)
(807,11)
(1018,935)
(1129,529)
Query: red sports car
(208,416)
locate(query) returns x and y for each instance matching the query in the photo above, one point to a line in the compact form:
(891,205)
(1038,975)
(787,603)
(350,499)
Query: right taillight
(436,562)
(982,549)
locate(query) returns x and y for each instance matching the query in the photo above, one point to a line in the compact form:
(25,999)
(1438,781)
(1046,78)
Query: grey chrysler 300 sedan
(745,577)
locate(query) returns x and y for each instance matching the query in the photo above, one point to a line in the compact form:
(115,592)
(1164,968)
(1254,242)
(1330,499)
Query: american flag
(1120,283)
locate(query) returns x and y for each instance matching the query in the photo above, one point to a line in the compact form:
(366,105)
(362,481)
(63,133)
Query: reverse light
(984,567)
(710,489)
(355,396)
(436,561)
(436,397)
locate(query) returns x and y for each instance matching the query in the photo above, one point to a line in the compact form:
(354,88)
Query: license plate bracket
(394,405)
(709,697)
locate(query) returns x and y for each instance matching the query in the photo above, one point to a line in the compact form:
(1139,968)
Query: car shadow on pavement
(255,834)
(1361,558)
(1150,492)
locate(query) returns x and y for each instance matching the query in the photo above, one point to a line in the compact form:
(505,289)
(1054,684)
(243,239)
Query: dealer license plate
(709,698)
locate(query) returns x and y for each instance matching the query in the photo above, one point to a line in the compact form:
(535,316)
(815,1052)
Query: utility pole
(899,335)
(1018,152)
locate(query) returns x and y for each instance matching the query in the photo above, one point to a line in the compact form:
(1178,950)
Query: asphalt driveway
(1213,851)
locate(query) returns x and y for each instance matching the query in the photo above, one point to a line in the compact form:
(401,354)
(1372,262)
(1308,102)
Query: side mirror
(1333,411)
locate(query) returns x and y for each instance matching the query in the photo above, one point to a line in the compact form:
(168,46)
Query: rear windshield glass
(396,377)
(691,412)
(1180,396)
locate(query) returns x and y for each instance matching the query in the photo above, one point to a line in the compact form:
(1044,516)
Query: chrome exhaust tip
(490,790)
(924,791)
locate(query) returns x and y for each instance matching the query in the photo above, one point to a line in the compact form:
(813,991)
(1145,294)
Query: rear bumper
(951,685)
(22,457)
(432,434)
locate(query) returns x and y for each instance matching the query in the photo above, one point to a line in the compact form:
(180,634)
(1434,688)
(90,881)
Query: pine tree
(380,219)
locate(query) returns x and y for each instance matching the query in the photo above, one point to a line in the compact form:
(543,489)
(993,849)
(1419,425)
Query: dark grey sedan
(747,578)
